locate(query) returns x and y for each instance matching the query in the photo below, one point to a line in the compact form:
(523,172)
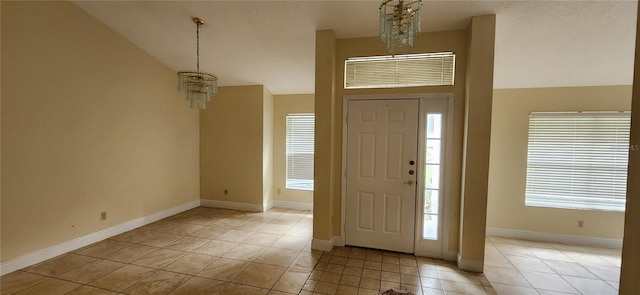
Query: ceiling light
(399,24)
(198,86)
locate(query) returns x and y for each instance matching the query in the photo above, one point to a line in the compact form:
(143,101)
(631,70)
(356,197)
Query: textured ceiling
(538,43)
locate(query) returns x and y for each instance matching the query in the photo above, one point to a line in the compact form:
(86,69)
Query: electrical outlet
(226,192)
(103,215)
(580,223)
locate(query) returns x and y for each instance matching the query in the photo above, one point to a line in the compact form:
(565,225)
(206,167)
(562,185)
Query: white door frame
(446,206)
(446,105)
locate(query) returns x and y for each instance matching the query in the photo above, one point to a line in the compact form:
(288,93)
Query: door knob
(409,182)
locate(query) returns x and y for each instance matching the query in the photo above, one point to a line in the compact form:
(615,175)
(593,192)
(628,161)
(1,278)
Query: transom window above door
(429,69)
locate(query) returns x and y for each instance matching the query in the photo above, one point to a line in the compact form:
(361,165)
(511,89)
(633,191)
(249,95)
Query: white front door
(381,169)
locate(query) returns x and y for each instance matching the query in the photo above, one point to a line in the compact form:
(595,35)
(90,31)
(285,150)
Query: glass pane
(433,151)
(432,176)
(430,227)
(431,202)
(434,125)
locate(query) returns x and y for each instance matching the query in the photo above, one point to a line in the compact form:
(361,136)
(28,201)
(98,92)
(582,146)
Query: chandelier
(399,24)
(198,86)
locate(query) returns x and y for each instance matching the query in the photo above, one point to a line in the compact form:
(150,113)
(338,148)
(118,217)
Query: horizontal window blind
(300,138)
(578,160)
(399,71)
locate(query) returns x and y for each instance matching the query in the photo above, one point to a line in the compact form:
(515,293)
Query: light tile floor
(218,251)
(532,267)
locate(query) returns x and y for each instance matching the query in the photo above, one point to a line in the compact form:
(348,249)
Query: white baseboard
(292,205)
(470,264)
(77,243)
(321,245)
(266,206)
(324,245)
(555,238)
(232,205)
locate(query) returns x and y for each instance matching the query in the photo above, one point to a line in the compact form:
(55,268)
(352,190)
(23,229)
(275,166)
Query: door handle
(409,182)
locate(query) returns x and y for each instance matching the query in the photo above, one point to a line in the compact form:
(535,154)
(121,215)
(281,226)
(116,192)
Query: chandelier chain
(198,47)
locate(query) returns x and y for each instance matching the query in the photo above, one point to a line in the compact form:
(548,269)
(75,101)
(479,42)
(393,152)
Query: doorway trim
(421,97)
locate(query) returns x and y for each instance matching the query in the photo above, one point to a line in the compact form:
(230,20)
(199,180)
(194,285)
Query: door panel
(394,163)
(382,139)
(367,155)
(365,211)
(392,213)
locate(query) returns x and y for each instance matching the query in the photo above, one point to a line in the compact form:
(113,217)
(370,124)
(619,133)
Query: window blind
(578,160)
(300,138)
(399,71)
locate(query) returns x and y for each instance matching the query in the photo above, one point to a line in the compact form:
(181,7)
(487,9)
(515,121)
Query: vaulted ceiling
(538,43)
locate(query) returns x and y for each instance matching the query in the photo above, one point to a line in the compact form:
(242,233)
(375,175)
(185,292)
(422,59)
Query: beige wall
(324,158)
(0,134)
(232,145)
(90,123)
(284,105)
(242,145)
(630,269)
(329,104)
(507,174)
(475,166)
(267,146)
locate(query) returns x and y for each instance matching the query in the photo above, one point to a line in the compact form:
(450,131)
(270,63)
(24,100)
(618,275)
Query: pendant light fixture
(198,86)
(399,24)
